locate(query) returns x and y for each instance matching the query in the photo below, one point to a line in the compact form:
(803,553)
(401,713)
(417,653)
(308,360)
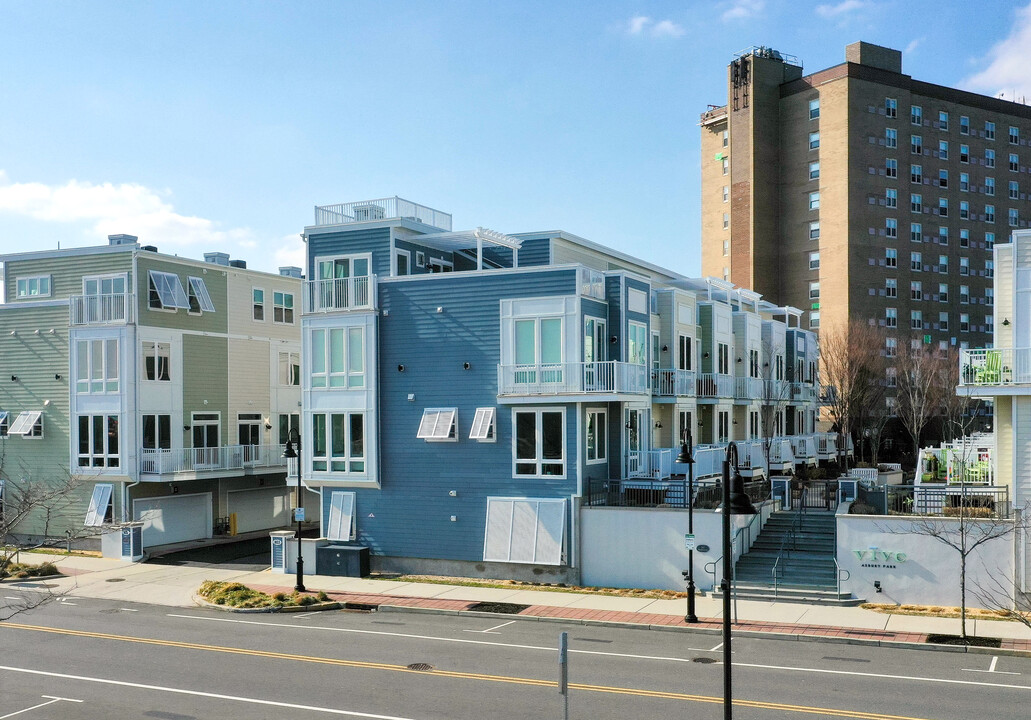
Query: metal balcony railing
(354,293)
(997,366)
(188,460)
(578,377)
(748,388)
(108,309)
(381,209)
(654,464)
(669,382)
(714,385)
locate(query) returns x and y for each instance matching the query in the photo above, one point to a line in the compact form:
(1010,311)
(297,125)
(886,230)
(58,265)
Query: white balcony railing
(673,382)
(188,460)
(578,377)
(260,456)
(781,451)
(826,445)
(591,283)
(381,209)
(803,392)
(999,366)
(803,447)
(747,388)
(714,385)
(354,293)
(654,464)
(108,309)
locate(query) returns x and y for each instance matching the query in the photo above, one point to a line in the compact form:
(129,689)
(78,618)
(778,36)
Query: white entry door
(173,518)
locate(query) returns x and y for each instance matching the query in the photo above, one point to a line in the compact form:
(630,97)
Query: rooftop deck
(381,209)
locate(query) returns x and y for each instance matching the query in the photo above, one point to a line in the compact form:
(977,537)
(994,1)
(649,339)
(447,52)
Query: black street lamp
(734,503)
(687,458)
(293,450)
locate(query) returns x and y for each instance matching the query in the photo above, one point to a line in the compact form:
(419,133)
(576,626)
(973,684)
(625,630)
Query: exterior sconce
(658,424)
(665,348)
(705,355)
(1006,321)
(57,376)
(613,339)
(466,366)
(14,378)
(739,359)
(400,368)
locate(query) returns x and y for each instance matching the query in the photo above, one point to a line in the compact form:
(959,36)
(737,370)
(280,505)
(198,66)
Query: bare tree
(999,592)
(958,413)
(922,384)
(852,366)
(775,391)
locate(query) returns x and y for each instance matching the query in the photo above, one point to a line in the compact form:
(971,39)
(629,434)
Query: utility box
(342,560)
(281,551)
(124,541)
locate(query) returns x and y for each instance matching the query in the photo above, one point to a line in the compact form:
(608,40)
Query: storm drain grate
(420,666)
(704,660)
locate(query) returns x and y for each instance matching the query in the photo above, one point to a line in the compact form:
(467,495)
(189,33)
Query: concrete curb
(830,639)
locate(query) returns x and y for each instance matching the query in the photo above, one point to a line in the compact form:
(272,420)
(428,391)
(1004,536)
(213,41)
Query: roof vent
(122,239)
(242,264)
(217,258)
(150,248)
(290,271)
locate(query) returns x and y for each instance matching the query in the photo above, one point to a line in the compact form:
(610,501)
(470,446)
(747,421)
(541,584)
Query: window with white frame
(943,178)
(891,107)
(288,422)
(964,266)
(916,262)
(891,167)
(891,257)
(525,530)
(1014,187)
(685,354)
(33,286)
(891,317)
(814,170)
(964,154)
(916,145)
(596,433)
(916,232)
(943,263)
(814,260)
(890,346)
(483,425)
(199,299)
(289,368)
(889,377)
(723,358)
(989,268)
(1014,135)
(282,307)
(258,304)
(726,193)
(814,230)
(964,322)
(100,510)
(1014,217)
(989,130)
(723,426)
(891,287)
(943,150)
(338,358)
(989,296)
(943,292)
(98,441)
(943,321)
(964,214)
(989,213)
(814,141)
(814,201)
(538,342)
(964,182)
(420,259)
(916,320)
(916,290)
(157,432)
(539,442)
(989,323)
(891,137)
(989,158)
(814,319)
(814,291)
(637,343)
(964,125)
(814,109)
(438,425)
(165,291)
(28,424)
(338,442)
(943,235)
(916,202)
(891,197)
(916,174)
(96,365)
(156,360)
(964,294)
(916,115)
(989,186)
(891,227)
(726,166)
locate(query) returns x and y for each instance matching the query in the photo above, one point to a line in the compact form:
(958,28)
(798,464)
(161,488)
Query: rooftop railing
(108,309)
(381,209)
(591,283)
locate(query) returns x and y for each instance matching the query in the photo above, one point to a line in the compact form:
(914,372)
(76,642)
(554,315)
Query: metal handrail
(710,567)
(837,574)
(781,553)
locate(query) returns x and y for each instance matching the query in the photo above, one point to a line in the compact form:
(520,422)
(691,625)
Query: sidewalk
(176,586)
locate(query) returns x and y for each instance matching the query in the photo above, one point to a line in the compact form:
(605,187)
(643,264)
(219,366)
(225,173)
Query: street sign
(299,514)
(689,541)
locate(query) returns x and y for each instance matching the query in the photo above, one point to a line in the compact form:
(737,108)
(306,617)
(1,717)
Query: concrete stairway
(806,571)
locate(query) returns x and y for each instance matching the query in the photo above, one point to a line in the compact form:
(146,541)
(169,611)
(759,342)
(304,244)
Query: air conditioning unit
(363,213)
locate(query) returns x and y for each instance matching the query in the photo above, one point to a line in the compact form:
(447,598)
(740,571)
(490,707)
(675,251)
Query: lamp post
(293,450)
(734,503)
(686,457)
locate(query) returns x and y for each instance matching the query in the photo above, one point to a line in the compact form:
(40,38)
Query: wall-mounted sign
(703,548)
(877,558)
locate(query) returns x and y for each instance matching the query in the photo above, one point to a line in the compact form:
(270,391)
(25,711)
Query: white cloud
(644,25)
(913,45)
(846,6)
(743,9)
(1008,61)
(290,251)
(107,209)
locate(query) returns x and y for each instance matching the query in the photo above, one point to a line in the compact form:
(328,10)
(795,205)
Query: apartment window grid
(916,174)
(964,210)
(989,186)
(891,257)
(891,317)
(916,291)
(916,261)
(943,263)
(1014,162)
(943,292)
(964,125)
(943,120)
(943,235)
(891,167)
(916,202)
(814,230)
(916,232)
(891,227)
(916,145)
(964,266)
(891,287)
(943,207)
(916,115)
(891,138)
(891,197)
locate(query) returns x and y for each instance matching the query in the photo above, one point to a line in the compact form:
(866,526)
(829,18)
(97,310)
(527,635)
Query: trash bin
(342,560)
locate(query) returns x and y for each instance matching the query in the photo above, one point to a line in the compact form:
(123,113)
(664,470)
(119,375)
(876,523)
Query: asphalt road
(79,658)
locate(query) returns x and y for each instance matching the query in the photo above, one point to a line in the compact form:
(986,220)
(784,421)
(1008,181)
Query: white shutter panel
(551,523)
(524,531)
(496,544)
(98,505)
(341,515)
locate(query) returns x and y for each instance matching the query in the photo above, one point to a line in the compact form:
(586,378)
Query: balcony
(802,393)
(747,388)
(653,464)
(714,385)
(232,459)
(675,383)
(354,293)
(1000,366)
(591,283)
(382,209)
(573,378)
(109,309)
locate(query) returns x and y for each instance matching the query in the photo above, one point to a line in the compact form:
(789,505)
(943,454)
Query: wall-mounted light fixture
(57,376)
(1006,321)
(400,368)
(613,339)
(14,378)
(186,427)
(739,359)
(705,355)
(658,424)
(665,348)
(466,366)
(440,309)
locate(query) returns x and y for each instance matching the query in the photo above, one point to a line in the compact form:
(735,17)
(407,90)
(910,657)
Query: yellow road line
(811,710)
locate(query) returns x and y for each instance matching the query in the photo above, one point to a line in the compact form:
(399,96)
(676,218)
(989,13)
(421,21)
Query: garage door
(260,508)
(173,518)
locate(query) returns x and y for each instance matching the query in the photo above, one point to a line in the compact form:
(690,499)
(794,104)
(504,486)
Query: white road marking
(303,615)
(716,648)
(852,673)
(439,639)
(51,700)
(8,597)
(490,631)
(991,668)
(129,609)
(196,693)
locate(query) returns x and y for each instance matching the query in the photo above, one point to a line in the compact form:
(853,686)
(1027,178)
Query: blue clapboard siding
(410,515)
(614,296)
(347,242)
(430,253)
(535,252)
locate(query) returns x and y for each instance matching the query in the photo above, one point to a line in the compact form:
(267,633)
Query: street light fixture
(687,458)
(734,503)
(293,451)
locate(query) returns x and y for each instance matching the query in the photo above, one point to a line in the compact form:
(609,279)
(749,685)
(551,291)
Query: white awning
(169,290)
(25,422)
(98,505)
(525,530)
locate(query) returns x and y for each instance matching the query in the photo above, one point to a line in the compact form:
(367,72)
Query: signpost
(689,541)
(563,672)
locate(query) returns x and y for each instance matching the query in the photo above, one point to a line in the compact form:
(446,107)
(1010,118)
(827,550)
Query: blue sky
(206,126)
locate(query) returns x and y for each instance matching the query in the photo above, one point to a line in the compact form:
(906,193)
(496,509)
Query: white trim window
(28,424)
(525,530)
(258,304)
(289,369)
(198,297)
(483,425)
(157,432)
(98,441)
(165,291)
(338,358)
(96,365)
(340,516)
(156,360)
(539,443)
(99,510)
(282,307)
(538,342)
(3,423)
(402,262)
(438,425)
(637,343)
(32,287)
(596,433)
(338,442)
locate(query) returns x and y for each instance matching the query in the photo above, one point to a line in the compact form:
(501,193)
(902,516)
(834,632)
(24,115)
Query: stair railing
(837,575)
(784,551)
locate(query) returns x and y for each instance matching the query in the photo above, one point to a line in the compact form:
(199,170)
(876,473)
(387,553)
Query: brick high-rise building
(859,191)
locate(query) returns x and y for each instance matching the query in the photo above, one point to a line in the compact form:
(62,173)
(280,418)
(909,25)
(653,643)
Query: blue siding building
(463,391)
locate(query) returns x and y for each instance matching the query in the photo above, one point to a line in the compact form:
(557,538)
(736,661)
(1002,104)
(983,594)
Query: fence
(946,501)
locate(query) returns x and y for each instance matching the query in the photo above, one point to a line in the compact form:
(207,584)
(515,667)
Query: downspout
(131,335)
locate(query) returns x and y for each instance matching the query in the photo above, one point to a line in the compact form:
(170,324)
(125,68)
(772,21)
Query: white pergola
(467,239)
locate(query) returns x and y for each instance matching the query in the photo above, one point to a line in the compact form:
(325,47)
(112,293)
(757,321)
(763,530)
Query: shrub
(322,596)
(862,508)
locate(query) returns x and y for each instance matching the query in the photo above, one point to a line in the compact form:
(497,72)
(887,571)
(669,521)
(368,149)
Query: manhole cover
(420,666)
(115,580)
(704,660)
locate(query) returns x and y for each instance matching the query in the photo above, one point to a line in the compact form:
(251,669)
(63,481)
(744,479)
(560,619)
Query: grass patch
(544,587)
(238,595)
(943,612)
(24,570)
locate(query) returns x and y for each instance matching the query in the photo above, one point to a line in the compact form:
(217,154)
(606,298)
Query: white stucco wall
(644,548)
(914,568)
